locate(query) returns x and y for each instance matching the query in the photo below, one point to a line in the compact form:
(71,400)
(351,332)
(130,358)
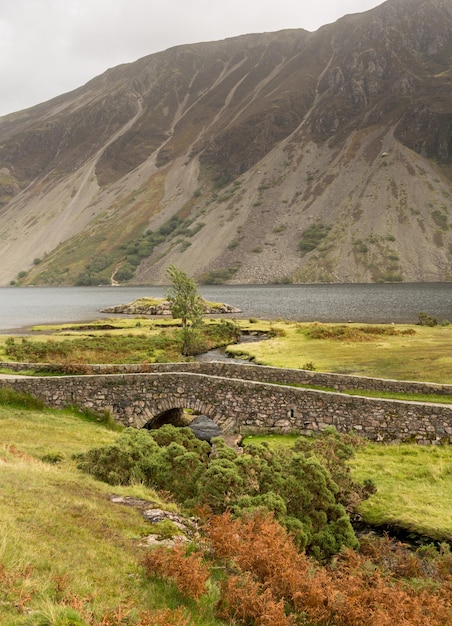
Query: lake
(399,303)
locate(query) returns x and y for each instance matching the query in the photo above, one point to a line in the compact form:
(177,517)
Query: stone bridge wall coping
(260,373)
(239,405)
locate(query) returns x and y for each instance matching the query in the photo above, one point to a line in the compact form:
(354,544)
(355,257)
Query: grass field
(414,487)
(417,353)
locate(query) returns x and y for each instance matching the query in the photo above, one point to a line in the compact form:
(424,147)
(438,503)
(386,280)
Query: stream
(219,354)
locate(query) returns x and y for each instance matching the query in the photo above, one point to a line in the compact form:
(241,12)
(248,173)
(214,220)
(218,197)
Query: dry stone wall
(260,373)
(239,405)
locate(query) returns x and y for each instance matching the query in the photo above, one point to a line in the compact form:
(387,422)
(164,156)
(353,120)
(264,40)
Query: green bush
(169,458)
(312,236)
(427,320)
(219,277)
(294,484)
(125,272)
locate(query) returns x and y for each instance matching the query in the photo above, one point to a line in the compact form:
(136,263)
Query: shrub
(276,331)
(269,574)
(122,463)
(187,571)
(125,272)
(312,236)
(426,320)
(247,601)
(170,459)
(334,450)
(220,276)
(347,332)
(293,484)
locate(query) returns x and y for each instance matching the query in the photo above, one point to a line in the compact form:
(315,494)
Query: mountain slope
(289,156)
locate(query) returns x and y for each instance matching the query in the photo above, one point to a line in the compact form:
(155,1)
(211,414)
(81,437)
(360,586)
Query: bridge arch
(167,409)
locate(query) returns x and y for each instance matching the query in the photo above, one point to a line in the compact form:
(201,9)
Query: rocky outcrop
(181,529)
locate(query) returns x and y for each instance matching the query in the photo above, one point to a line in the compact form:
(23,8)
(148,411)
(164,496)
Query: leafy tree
(183,297)
(187,305)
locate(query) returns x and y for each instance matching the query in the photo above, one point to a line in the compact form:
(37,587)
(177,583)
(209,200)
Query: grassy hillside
(69,556)
(65,548)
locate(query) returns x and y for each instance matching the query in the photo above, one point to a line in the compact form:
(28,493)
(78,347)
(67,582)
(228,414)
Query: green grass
(425,355)
(274,441)
(62,541)
(105,341)
(414,487)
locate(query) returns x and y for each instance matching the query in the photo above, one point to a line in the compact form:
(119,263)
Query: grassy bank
(414,487)
(65,548)
(410,352)
(114,341)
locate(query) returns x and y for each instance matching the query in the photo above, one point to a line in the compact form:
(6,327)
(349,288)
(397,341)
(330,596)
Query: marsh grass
(417,353)
(121,341)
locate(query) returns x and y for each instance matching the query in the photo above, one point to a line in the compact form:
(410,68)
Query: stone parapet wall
(239,405)
(258,373)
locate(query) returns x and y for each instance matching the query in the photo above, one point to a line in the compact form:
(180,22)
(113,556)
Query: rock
(187,526)
(204,428)
(154,516)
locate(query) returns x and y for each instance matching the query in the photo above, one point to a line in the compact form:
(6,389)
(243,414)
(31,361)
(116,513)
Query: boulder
(204,428)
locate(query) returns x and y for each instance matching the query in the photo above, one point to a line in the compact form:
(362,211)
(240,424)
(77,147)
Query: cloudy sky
(48,47)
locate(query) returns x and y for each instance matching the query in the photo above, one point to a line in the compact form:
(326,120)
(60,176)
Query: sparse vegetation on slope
(300,146)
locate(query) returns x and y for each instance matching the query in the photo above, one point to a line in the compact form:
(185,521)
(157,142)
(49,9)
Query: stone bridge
(238,403)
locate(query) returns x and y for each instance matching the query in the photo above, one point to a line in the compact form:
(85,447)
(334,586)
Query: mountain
(278,157)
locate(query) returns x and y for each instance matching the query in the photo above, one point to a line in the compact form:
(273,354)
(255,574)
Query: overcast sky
(48,47)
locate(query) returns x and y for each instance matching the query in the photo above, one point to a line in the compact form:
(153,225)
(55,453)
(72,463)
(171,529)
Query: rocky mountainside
(277,157)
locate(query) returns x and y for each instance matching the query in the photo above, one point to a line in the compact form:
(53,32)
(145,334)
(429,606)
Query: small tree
(185,304)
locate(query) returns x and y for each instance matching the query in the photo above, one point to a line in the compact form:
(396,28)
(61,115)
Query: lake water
(23,307)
